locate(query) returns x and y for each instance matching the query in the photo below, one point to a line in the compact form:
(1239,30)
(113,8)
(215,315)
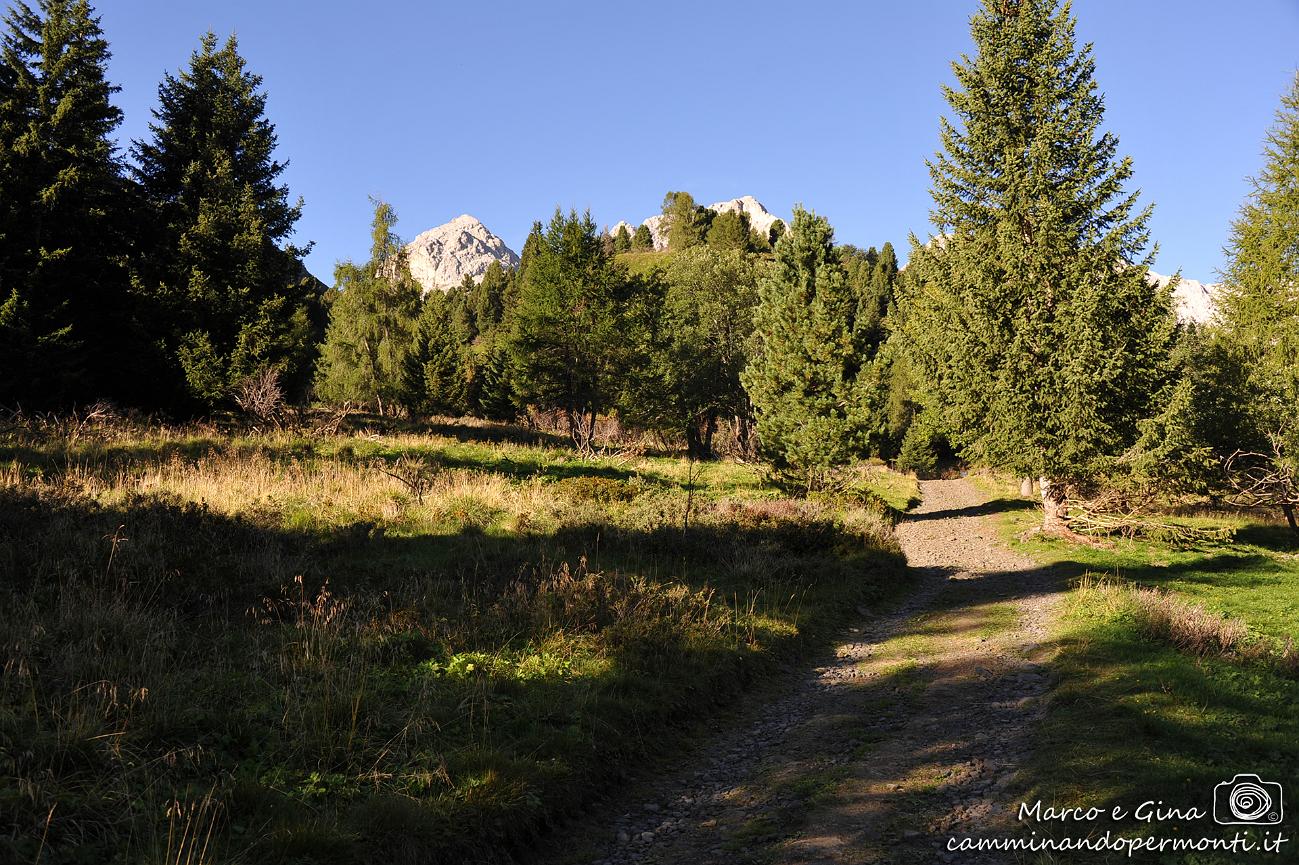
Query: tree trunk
(1288,510)
(1055,508)
(694,447)
(1026,487)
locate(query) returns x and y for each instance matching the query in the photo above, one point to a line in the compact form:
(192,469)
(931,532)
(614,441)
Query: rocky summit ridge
(443,256)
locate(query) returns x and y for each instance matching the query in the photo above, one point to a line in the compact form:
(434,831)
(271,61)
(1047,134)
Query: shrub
(919,453)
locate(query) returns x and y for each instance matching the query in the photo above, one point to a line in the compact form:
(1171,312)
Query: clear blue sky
(506,110)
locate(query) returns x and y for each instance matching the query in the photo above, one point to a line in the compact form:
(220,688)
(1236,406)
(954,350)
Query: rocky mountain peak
(1195,301)
(443,256)
(760,219)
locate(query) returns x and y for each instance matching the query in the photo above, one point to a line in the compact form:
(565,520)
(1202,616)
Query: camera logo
(1248,800)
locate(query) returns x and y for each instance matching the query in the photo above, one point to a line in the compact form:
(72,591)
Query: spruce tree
(235,300)
(437,372)
(1259,313)
(1030,311)
(566,338)
(802,374)
(65,310)
(371,324)
(775,233)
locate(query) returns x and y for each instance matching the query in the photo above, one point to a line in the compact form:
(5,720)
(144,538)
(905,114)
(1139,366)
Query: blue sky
(504,110)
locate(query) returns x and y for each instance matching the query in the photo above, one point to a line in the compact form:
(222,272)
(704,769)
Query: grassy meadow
(400,645)
(1177,667)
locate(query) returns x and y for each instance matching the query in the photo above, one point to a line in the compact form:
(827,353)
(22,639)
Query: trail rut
(912,734)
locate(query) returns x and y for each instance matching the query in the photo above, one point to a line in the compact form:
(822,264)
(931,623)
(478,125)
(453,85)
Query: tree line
(1024,333)
(680,348)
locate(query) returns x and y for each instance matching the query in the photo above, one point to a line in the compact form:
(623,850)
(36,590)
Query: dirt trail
(913,734)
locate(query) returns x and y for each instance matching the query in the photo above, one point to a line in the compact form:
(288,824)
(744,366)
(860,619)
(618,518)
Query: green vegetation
(405,645)
(1178,663)
(802,376)
(66,329)
(234,303)
(1041,351)
(368,343)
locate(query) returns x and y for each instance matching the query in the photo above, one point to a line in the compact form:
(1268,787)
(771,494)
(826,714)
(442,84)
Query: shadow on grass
(424,725)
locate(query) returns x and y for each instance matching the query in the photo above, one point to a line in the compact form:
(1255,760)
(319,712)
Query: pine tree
(1259,311)
(65,307)
(371,323)
(775,233)
(708,322)
(235,300)
(730,231)
(643,239)
(622,239)
(802,375)
(566,339)
(1030,312)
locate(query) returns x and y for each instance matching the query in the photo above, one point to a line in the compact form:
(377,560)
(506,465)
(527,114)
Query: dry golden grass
(416,647)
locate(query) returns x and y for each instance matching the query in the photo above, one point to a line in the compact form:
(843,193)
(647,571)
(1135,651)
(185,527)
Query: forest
(296,572)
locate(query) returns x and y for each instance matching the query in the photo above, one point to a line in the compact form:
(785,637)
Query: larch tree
(685,223)
(236,300)
(1259,317)
(371,323)
(1030,311)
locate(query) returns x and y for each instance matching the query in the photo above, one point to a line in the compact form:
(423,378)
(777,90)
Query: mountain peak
(443,256)
(760,219)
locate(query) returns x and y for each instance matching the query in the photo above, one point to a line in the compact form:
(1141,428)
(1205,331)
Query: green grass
(1135,718)
(272,640)
(644,262)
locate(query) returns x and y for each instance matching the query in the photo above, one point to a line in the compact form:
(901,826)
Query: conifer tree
(371,323)
(775,233)
(708,314)
(566,339)
(730,231)
(1030,312)
(436,370)
(685,222)
(488,298)
(66,316)
(1259,315)
(802,375)
(622,239)
(496,397)
(236,301)
(643,239)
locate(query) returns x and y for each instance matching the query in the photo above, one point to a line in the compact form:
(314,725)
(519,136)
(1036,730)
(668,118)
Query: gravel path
(912,734)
